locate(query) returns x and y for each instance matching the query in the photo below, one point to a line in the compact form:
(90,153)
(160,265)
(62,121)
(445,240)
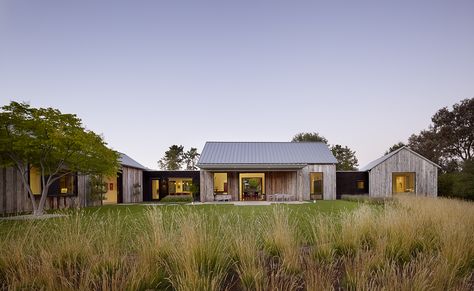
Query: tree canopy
(176,158)
(346,158)
(55,143)
(309,137)
(395,147)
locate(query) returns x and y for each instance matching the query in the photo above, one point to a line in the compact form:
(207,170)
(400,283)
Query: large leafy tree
(190,158)
(309,137)
(455,130)
(346,158)
(56,144)
(173,158)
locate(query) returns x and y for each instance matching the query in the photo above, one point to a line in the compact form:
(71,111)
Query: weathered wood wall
(131,177)
(14,196)
(281,183)
(296,183)
(426,179)
(206,186)
(329,181)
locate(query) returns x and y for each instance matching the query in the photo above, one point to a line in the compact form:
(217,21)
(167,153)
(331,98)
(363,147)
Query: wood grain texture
(426,175)
(281,183)
(329,180)
(131,177)
(206,186)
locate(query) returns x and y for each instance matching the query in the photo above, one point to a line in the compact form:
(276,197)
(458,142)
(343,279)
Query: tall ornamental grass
(409,243)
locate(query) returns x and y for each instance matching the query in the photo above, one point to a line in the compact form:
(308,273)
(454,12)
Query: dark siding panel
(164,176)
(346,183)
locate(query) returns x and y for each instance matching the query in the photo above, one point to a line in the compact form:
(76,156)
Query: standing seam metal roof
(380,160)
(129,162)
(239,153)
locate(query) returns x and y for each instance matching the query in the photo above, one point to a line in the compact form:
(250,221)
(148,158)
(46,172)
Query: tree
(172,159)
(346,159)
(455,130)
(309,136)
(98,188)
(427,144)
(190,158)
(395,147)
(56,144)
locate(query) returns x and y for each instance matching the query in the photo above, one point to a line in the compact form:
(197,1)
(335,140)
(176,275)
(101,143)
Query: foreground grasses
(411,243)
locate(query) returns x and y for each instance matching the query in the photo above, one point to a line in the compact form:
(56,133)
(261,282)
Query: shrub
(177,199)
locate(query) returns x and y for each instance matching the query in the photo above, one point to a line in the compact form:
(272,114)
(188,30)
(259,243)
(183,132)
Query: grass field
(410,243)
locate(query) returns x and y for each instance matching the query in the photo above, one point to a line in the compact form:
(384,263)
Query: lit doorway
(252,186)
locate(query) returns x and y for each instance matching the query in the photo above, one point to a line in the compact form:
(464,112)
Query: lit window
(360,185)
(66,184)
(220,183)
(35,181)
(316,186)
(403,182)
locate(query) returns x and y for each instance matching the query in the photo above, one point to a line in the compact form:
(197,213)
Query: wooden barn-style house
(238,171)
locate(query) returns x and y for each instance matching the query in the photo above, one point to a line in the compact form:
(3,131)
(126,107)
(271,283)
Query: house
(71,190)
(127,186)
(264,170)
(402,171)
(237,171)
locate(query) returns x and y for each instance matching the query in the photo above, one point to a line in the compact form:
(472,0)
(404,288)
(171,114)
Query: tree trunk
(40,209)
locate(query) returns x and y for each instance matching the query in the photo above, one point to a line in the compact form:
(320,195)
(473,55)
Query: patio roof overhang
(251,167)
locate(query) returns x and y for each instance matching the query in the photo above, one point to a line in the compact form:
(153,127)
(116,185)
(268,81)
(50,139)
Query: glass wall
(220,183)
(403,182)
(177,186)
(316,185)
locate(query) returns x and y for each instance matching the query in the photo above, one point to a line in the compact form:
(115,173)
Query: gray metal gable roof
(380,160)
(129,162)
(265,153)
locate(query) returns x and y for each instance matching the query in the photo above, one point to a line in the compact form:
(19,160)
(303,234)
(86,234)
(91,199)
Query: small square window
(360,185)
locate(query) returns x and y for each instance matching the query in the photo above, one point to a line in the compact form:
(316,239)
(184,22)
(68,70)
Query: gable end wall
(380,177)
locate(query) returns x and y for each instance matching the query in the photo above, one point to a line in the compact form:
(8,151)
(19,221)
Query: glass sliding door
(252,186)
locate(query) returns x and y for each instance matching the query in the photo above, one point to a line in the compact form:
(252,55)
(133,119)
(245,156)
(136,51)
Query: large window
(316,185)
(35,181)
(177,186)
(403,182)
(220,183)
(67,184)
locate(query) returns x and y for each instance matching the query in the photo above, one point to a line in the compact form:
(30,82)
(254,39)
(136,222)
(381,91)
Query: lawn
(409,243)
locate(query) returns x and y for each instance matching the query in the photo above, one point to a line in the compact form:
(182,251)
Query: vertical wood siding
(206,186)
(132,176)
(329,181)
(281,183)
(296,183)
(426,179)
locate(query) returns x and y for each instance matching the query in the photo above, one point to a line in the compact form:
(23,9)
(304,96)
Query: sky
(149,74)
